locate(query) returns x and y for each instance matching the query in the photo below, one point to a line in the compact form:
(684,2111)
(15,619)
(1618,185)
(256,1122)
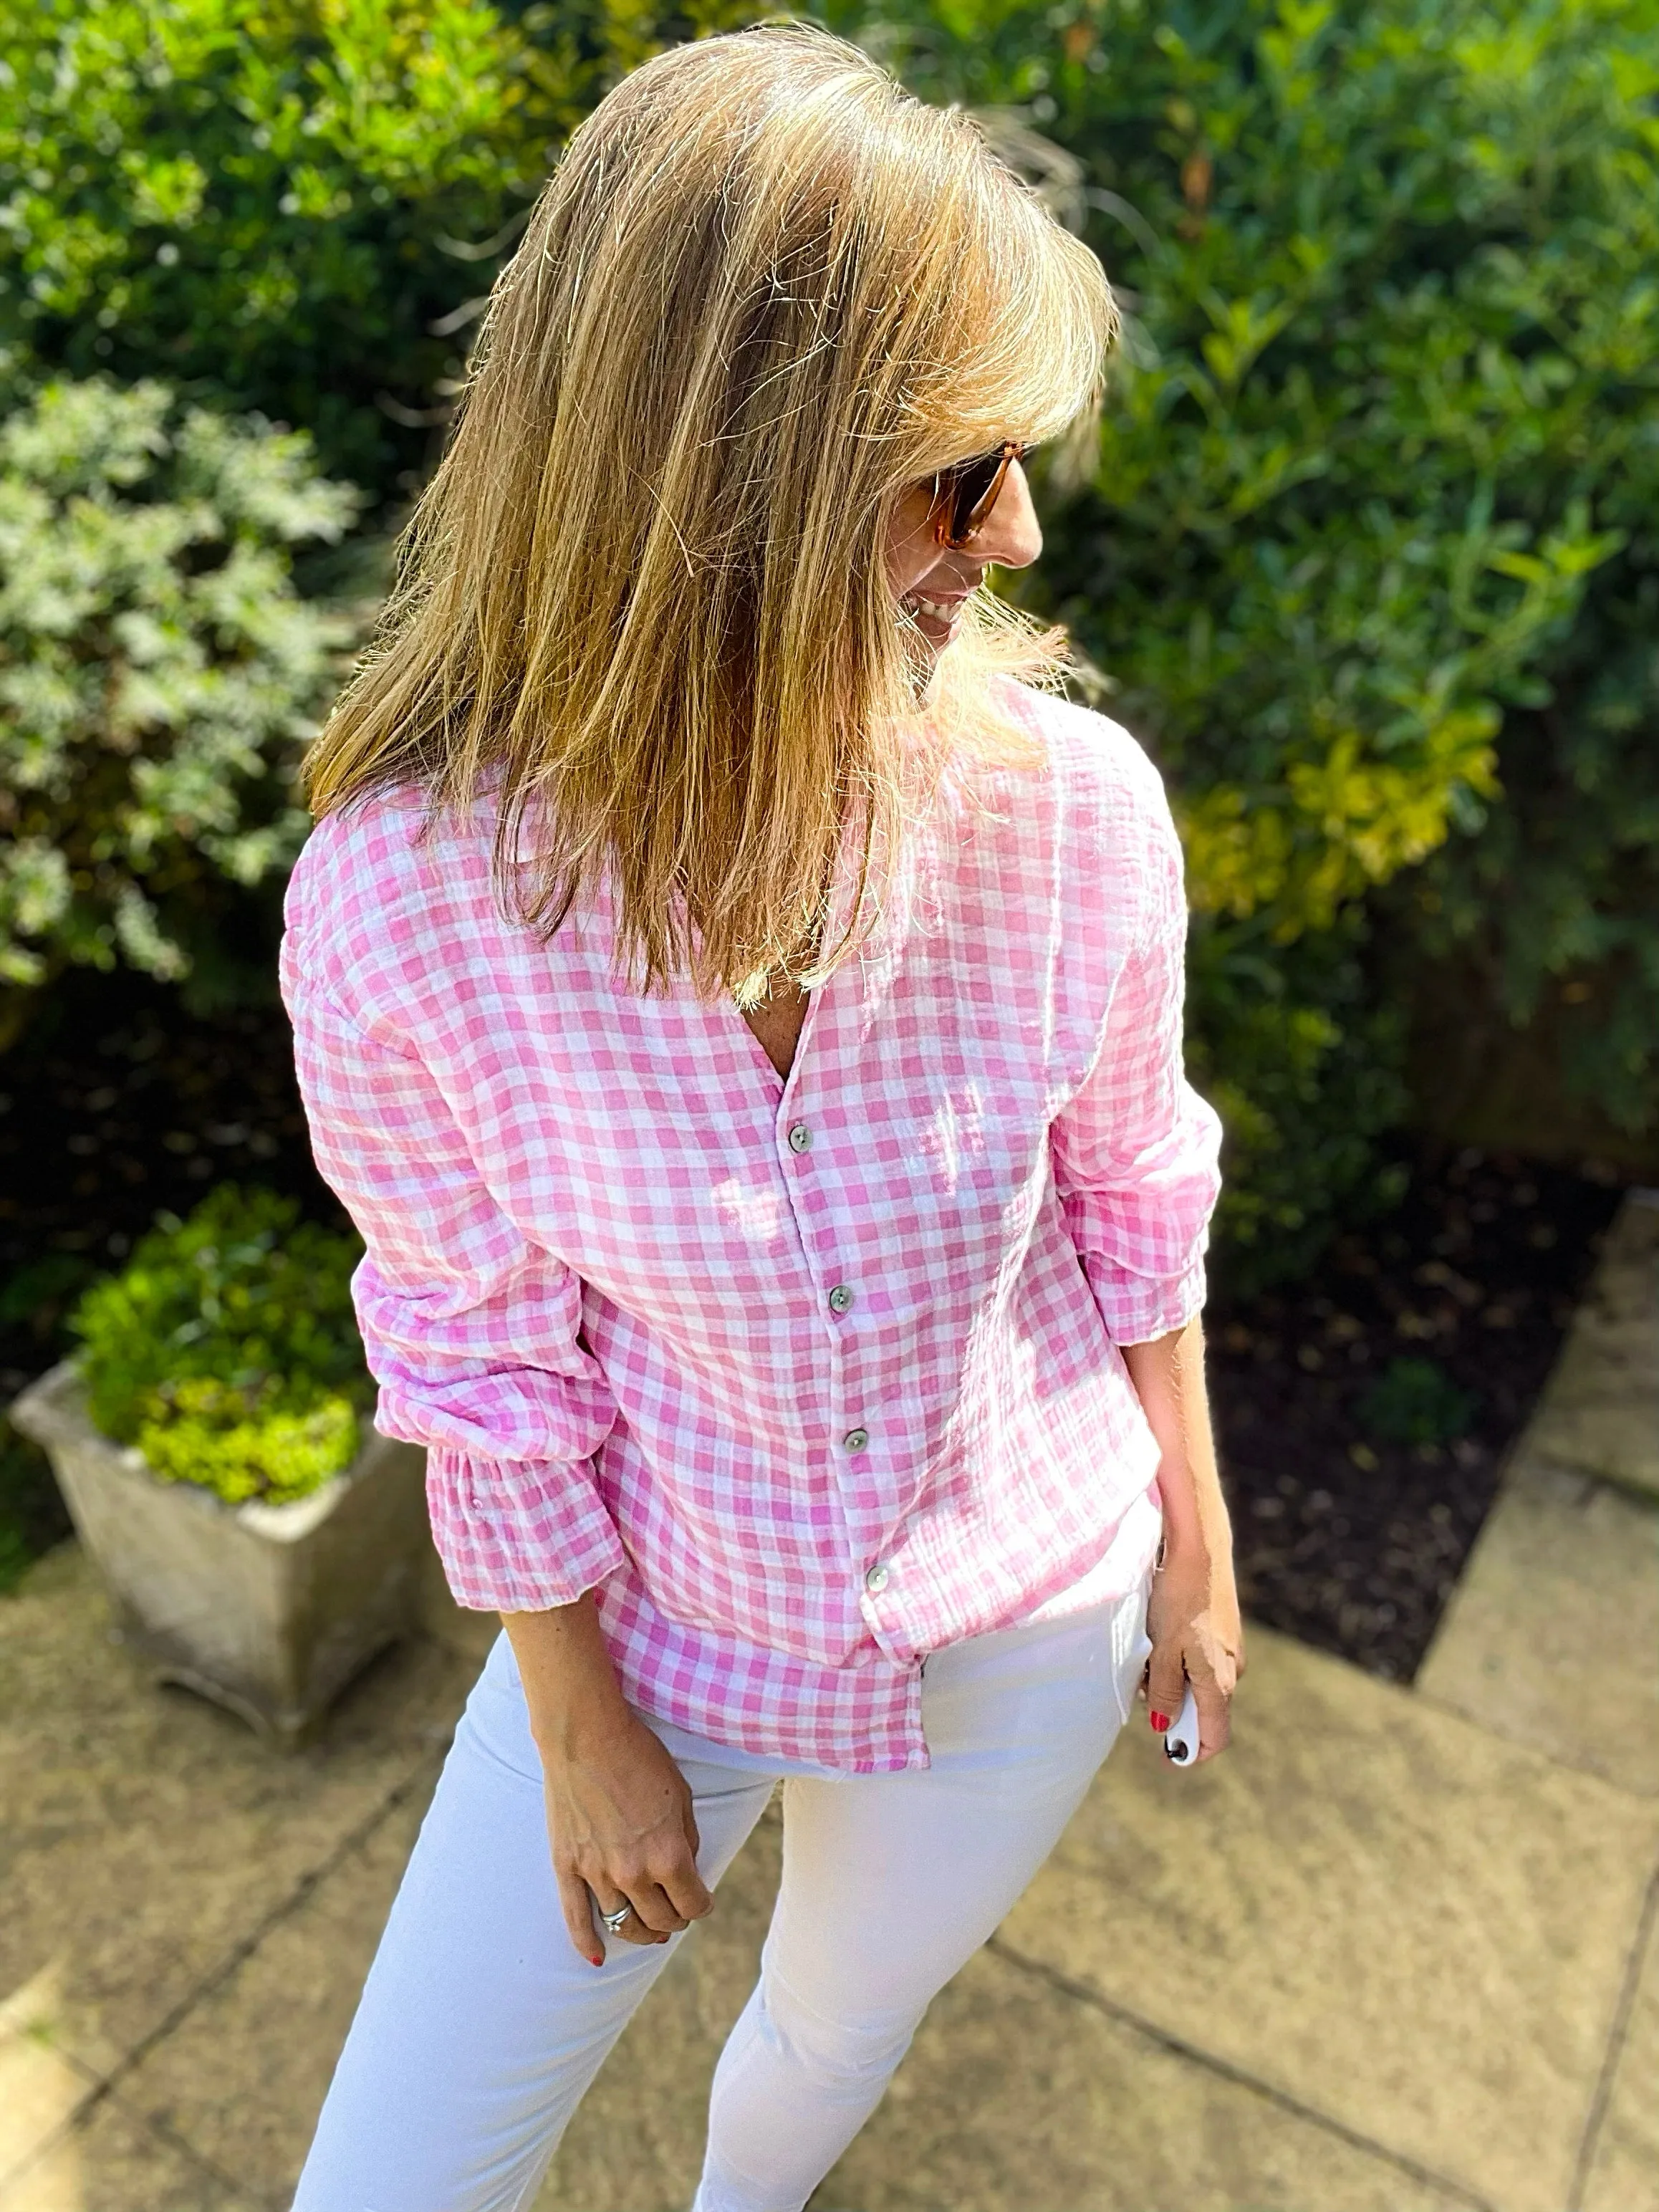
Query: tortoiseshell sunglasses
(965,496)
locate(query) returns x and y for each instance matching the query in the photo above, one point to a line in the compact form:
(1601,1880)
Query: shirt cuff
(1136,1309)
(516,1536)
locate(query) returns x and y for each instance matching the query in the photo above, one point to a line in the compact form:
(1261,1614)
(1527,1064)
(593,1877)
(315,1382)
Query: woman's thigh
(479,2026)
(890,1883)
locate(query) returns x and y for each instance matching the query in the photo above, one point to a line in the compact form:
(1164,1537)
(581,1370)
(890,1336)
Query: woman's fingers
(1166,1684)
(669,1894)
(664,1896)
(650,1919)
(653,1909)
(1215,1719)
(576,1904)
(637,1928)
(687,1892)
(1173,1668)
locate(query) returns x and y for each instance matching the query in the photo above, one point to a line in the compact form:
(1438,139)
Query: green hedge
(159,674)
(288,206)
(1368,552)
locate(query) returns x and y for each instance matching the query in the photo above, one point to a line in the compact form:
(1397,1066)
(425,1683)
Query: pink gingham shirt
(803,1378)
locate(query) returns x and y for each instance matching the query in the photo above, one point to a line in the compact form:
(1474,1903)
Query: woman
(744,1019)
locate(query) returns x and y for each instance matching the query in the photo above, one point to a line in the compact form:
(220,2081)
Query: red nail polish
(1160,1721)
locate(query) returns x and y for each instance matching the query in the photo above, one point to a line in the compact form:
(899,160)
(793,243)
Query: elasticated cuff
(517,1536)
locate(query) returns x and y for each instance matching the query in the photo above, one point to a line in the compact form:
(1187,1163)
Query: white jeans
(480,2028)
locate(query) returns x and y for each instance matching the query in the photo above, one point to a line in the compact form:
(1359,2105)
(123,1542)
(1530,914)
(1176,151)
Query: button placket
(808,1201)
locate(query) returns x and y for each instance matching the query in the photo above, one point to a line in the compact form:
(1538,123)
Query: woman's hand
(1193,1613)
(620,1823)
(1197,1637)
(619,1818)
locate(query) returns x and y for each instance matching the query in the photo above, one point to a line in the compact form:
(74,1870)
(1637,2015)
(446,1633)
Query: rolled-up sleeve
(1135,1150)
(470,1330)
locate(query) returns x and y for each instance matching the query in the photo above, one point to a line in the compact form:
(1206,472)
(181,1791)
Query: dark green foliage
(35,1295)
(287,207)
(1302,1063)
(1414,1401)
(294,210)
(226,1349)
(159,671)
(247,200)
(1367,553)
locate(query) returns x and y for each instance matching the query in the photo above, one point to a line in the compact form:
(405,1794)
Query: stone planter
(267,1609)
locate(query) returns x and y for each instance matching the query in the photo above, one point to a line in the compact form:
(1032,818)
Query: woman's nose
(1012,536)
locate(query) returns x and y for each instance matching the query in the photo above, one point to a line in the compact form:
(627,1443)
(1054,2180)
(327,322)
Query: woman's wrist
(579,1724)
(1196,1524)
(574,1700)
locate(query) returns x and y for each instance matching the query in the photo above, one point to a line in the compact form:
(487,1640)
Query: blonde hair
(643,605)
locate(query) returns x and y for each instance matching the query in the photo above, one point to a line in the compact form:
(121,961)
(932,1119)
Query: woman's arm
(472,1331)
(1193,1618)
(474,1336)
(619,1815)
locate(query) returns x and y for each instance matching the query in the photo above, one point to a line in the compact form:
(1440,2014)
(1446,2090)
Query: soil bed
(1345,1538)
(117,1105)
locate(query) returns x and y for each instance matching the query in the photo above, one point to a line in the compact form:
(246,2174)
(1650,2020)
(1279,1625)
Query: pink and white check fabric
(804,1378)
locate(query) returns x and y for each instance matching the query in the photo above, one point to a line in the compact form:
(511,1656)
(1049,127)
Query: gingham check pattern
(598,1269)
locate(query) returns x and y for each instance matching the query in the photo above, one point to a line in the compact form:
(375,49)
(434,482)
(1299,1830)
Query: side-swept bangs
(643,603)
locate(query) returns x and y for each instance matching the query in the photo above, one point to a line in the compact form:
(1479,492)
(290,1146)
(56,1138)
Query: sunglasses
(965,496)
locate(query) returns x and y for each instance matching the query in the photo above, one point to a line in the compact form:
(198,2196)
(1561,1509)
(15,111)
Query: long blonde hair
(642,605)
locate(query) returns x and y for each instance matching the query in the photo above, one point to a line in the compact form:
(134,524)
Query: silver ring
(613,1921)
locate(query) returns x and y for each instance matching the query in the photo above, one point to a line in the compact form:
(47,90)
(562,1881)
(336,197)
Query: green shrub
(291,207)
(1367,550)
(295,209)
(226,1349)
(1414,1401)
(1302,1063)
(159,671)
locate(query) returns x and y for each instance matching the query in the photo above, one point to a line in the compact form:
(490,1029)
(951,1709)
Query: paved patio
(1395,1954)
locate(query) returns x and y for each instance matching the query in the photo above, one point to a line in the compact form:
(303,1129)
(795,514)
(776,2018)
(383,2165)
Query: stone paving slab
(1011,2077)
(1599,1411)
(1373,1962)
(112,2162)
(1624,2167)
(1018,2096)
(1405,1924)
(242,2077)
(40,2086)
(148,1838)
(1551,1637)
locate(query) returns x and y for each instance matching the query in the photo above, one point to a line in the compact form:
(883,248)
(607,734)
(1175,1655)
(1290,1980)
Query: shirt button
(877,1580)
(856,1439)
(840,1299)
(800,1137)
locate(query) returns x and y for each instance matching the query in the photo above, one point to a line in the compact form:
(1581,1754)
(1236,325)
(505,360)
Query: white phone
(1180,1737)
